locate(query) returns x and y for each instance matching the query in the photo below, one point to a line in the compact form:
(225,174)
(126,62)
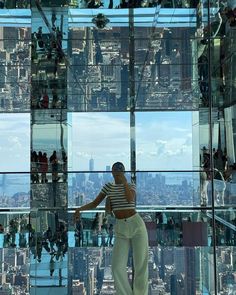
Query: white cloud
(105,137)
(163,141)
(167,142)
(15,142)
(160,143)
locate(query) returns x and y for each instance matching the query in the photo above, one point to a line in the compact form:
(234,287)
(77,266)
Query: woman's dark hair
(118,166)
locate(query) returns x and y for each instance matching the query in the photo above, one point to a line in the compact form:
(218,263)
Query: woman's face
(117,174)
(118,170)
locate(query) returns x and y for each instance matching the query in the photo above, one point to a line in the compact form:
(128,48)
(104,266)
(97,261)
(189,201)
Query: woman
(129,231)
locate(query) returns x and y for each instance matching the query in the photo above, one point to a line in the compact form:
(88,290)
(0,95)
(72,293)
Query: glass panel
(48,247)
(49,152)
(179,249)
(12,259)
(226,260)
(137,4)
(164,140)
(14,69)
(14,252)
(177,56)
(15,142)
(48,55)
(227,62)
(177,189)
(51,3)
(98,140)
(12,4)
(14,231)
(14,190)
(99,80)
(166,69)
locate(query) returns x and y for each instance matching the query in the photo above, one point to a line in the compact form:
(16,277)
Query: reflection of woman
(95,229)
(129,231)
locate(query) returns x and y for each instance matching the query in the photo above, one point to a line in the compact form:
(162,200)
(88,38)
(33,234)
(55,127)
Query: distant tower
(1,39)
(91,164)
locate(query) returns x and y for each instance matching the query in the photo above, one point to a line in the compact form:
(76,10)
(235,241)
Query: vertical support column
(211,124)
(49,201)
(132,93)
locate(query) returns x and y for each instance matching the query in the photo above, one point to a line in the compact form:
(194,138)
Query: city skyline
(168,139)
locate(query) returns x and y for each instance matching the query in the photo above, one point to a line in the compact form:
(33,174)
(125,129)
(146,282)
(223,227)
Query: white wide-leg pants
(130,232)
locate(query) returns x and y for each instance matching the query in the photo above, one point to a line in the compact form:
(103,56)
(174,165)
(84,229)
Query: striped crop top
(116,193)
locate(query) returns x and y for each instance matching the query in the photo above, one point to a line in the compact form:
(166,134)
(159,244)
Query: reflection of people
(104,229)
(13,229)
(79,233)
(54,165)
(129,231)
(95,229)
(110,237)
(203,188)
(64,159)
(51,266)
(220,163)
(1,229)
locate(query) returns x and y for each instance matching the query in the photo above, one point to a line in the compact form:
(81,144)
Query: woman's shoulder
(107,186)
(110,183)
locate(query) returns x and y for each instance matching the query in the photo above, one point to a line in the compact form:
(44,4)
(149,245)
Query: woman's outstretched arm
(92,205)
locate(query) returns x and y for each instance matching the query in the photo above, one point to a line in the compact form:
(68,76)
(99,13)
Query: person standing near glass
(130,231)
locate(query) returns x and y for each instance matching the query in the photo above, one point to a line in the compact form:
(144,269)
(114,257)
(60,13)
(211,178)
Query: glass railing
(181,245)
(153,189)
(187,239)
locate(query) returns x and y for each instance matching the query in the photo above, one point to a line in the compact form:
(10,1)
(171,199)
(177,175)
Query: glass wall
(84,84)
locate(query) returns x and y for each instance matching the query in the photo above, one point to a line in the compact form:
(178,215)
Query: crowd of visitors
(41,165)
(49,89)
(11,4)
(222,173)
(102,233)
(20,233)
(123,4)
(228,11)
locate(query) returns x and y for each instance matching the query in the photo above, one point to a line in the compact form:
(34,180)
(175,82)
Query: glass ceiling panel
(165,70)
(15,17)
(142,17)
(15,69)
(165,17)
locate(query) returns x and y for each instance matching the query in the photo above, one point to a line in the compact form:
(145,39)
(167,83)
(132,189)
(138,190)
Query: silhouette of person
(54,166)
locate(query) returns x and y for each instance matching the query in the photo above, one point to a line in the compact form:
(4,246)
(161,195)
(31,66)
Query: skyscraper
(91,164)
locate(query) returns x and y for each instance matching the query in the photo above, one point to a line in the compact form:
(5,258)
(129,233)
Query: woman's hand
(122,178)
(77,215)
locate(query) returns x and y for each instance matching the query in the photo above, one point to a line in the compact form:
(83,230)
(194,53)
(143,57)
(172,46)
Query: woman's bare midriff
(120,214)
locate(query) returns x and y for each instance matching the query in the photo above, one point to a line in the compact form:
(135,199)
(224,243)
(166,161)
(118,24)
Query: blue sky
(14,142)
(163,140)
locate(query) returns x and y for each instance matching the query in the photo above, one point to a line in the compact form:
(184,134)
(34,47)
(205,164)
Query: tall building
(1,39)
(91,164)
(78,288)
